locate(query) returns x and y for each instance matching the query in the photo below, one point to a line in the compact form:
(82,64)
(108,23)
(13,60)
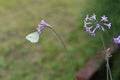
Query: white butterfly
(33,37)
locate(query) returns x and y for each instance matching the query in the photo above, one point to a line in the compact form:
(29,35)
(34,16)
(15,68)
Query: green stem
(108,66)
(107,60)
(107,71)
(67,54)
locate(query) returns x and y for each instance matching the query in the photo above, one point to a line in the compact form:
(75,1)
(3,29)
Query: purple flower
(40,28)
(108,25)
(93,17)
(42,25)
(88,28)
(91,24)
(104,18)
(92,33)
(117,40)
(87,18)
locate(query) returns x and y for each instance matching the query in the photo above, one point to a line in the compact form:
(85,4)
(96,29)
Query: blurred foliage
(21,60)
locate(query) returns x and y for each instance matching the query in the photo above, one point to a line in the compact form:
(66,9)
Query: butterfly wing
(33,37)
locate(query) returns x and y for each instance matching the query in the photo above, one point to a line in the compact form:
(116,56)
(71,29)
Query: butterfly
(33,37)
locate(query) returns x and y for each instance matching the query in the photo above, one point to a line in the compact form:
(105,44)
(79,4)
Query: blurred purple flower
(91,24)
(42,25)
(39,28)
(87,18)
(117,40)
(104,18)
(92,33)
(93,17)
(108,25)
(88,29)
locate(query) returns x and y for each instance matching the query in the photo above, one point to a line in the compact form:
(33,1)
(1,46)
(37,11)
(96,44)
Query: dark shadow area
(115,68)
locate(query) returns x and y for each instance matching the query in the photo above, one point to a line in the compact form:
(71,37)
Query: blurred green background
(46,60)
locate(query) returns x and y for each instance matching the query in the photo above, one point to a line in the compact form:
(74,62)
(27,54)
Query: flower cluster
(91,24)
(42,25)
(117,40)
